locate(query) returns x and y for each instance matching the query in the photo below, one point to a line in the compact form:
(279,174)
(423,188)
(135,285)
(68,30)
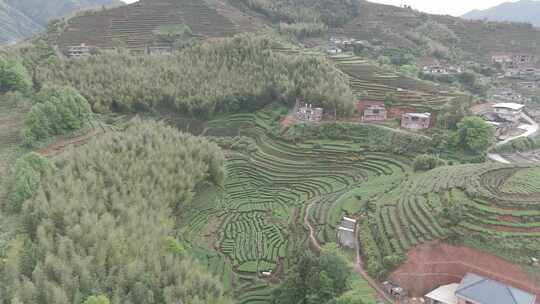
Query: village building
(372,110)
(511,112)
(513,60)
(416,121)
(346,232)
(333,50)
(81,50)
(441,70)
(374,113)
(309,114)
(476,289)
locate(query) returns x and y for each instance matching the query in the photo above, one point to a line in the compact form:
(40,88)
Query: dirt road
(530,130)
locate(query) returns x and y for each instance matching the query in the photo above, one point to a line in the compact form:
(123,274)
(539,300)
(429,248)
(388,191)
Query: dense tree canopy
(315,279)
(475,134)
(13,75)
(58,110)
(101,224)
(242,73)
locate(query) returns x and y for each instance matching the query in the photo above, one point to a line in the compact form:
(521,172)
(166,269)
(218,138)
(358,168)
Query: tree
(315,279)
(475,134)
(58,110)
(13,75)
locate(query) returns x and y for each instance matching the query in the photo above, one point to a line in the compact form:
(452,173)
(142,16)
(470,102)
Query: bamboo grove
(102,223)
(242,73)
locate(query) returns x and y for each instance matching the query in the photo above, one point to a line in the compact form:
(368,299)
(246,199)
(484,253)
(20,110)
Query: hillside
(137,25)
(446,36)
(527,11)
(388,27)
(22,18)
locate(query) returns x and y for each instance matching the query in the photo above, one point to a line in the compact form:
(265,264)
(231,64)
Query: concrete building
(346,232)
(416,121)
(509,111)
(445,294)
(80,50)
(476,289)
(374,113)
(309,114)
(513,60)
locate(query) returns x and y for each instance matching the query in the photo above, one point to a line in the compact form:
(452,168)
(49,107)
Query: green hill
(22,18)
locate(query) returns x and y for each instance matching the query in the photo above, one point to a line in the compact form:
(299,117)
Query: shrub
(425,162)
(58,110)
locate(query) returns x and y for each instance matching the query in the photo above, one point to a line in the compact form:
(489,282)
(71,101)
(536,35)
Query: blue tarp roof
(486,291)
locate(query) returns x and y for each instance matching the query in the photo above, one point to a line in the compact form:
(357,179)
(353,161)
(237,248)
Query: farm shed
(346,232)
(445,294)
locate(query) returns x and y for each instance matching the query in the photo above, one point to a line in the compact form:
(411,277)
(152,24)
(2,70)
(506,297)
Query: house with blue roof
(476,289)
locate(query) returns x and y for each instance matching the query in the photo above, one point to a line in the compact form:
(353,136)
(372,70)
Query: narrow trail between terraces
(359,264)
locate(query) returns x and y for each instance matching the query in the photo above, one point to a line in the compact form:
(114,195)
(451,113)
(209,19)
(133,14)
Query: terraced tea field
(255,222)
(366,77)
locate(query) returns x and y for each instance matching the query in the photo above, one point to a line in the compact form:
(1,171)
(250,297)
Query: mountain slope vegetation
(22,18)
(526,11)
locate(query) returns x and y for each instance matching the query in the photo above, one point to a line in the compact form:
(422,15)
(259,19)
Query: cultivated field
(255,223)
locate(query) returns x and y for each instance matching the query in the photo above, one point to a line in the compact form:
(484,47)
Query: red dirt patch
(436,263)
(63,143)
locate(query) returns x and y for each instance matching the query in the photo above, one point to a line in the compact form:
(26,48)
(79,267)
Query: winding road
(531,129)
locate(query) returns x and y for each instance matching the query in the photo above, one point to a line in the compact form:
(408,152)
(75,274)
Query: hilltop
(527,11)
(22,18)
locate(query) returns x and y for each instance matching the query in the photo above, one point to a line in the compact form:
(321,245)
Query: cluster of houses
(477,289)
(371,112)
(337,45)
(376,111)
(518,65)
(439,68)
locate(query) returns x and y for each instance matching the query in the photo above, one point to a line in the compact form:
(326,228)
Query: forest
(101,222)
(240,74)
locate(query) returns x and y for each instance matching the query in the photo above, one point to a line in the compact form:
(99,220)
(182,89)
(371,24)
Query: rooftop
(509,105)
(419,115)
(445,294)
(486,291)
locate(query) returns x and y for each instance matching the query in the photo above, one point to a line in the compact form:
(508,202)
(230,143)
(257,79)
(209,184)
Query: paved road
(530,130)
